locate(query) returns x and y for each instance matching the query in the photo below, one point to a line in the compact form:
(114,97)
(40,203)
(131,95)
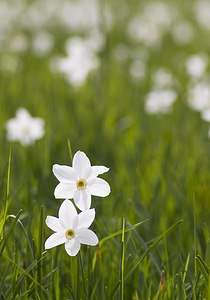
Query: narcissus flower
(24,128)
(80,181)
(71,228)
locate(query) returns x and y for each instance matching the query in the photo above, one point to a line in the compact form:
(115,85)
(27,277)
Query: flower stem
(83,276)
(122,260)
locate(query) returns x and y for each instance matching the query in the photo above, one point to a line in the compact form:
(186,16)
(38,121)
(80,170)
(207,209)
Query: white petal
(64,191)
(67,214)
(86,218)
(98,187)
(87,236)
(97,170)
(87,173)
(80,163)
(64,174)
(55,239)
(72,246)
(82,199)
(54,224)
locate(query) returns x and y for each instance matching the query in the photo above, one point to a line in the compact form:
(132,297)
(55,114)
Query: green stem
(70,150)
(195,237)
(122,260)
(83,276)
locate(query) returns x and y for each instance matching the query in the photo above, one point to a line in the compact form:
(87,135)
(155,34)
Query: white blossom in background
(42,42)
(196,65)
(199,96)
(160,101)
(38,14)
(71,229)
(182,32)
(93,43)
(80,181)
(205,114)
(83,15)
(81,59)
(9,14)
(24,128)
(202,13)
(80,16)
(152,23)
(162,78)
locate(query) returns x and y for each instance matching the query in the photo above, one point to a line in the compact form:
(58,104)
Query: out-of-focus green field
(159,163)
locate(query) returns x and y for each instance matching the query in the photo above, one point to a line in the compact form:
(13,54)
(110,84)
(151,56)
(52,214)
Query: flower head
(80,181)
(71,228)
(24,128)
(160,101)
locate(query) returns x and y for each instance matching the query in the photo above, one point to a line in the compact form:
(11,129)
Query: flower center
(81,184)
(70,234)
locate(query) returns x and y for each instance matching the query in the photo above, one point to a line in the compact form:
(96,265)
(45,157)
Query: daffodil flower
(80,181)
(24,128)
(71,229)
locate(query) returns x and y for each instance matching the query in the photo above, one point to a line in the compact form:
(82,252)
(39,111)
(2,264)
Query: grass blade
(152,246)
(122,260)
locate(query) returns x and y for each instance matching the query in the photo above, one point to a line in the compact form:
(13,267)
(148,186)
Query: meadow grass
(153,228)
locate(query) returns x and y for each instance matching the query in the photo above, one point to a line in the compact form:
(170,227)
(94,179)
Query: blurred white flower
(196,65)
(182,32)
(38,14)
(202,13)
(160,101)
(205,114)
(199,96)
(81,59)
(80,181)
(162,78)
(83,15)
(24,128)
(152,23)
(71,228)
(42,42)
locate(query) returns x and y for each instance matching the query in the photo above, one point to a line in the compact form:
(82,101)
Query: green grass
(154,227)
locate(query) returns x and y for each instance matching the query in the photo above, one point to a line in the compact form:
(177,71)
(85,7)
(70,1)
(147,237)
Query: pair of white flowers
(78,182)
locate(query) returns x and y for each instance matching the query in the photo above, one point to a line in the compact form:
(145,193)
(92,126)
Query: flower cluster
(79,183)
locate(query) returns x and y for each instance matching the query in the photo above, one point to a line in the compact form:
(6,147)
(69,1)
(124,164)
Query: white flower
(80,181)
(160,101)
(205,115)
(196,65)
(182,32)
(162,78)
(199,96)
(71,228)
(152,23)
(42,42)
(80,60)
(24,128)
(202,12)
